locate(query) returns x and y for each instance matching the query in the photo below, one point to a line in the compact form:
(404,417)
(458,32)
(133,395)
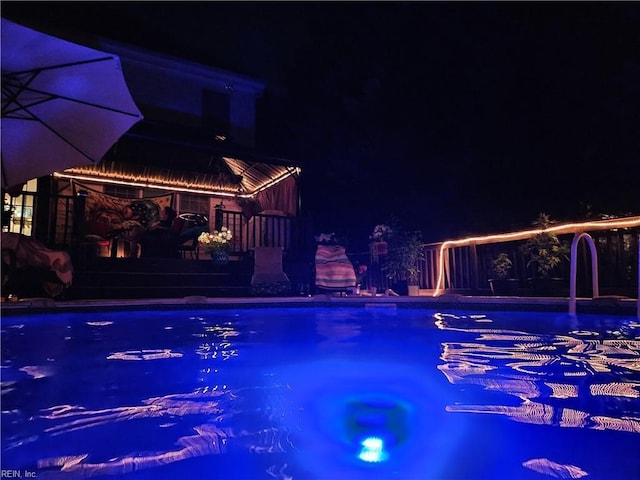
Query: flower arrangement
(381,233)
(218,240)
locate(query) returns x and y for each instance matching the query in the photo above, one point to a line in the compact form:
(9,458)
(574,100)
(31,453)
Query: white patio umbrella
(63,104)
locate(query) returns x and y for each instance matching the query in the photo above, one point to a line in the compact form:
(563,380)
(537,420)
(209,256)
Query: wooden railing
(464,266)
(456,266)
(291,233)
(53,224)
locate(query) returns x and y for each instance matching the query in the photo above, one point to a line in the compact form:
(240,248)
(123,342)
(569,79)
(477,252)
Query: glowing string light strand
(616,223)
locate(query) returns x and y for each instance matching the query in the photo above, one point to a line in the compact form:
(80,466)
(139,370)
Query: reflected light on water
(342,394)
(553,469)
(544,371)
(220,347)
(153,354)
(218,405)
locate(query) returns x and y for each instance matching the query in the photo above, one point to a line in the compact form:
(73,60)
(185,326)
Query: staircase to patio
(128,278)
(139,278)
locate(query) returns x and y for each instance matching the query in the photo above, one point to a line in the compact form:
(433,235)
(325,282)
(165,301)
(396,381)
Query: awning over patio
(241,178)
(165,156)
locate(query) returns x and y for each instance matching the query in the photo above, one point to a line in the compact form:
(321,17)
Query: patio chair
(162,242)
(334,270)
(193,225)
(191,248)
(268,277)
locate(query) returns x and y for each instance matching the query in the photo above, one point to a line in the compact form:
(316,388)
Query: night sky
(455,118)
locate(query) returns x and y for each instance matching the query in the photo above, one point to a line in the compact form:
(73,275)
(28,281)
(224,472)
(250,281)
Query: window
(190,203)
(121,191)
(17,212)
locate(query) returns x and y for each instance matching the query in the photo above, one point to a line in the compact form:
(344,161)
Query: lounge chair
(334,270)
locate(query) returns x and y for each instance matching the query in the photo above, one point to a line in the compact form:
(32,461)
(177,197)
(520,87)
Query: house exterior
(195,144)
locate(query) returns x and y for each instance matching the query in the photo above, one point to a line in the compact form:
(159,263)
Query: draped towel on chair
(334,270)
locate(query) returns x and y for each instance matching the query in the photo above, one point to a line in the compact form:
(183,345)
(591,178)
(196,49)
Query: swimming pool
(374,392)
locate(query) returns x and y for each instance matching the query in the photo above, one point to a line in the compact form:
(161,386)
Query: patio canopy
(237,177)
(161,155)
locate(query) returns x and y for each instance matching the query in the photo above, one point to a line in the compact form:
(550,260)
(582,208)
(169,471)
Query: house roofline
(158,132)
(184,67)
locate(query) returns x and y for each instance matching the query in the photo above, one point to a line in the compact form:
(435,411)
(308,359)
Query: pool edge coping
(607,305)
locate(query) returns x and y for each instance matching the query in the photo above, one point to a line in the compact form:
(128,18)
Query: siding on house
(171,89)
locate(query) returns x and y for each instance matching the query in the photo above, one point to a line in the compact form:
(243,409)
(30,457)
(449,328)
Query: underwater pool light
(373,450)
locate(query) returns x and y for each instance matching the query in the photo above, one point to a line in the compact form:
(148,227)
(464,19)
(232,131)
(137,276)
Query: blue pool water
(320,393)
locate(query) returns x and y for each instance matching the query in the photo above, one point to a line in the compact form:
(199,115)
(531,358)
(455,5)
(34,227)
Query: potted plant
(379,239)
(545,252)
(501,283)
(401,262)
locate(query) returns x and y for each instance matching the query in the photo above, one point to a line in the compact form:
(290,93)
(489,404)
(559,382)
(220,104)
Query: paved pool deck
(602,305)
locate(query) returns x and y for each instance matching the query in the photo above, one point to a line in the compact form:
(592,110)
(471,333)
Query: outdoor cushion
(268,276)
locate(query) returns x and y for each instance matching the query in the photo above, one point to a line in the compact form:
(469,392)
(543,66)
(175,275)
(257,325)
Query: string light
(114,179)
(142,184)
(610,224)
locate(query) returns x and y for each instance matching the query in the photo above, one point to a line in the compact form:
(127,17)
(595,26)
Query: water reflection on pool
(321,393)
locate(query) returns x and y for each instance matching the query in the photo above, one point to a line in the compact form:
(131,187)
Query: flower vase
(220,257)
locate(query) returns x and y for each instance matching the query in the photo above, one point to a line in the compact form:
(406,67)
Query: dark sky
(457,118)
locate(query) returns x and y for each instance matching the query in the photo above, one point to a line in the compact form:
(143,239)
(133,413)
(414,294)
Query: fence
(464,266)
(291,233)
